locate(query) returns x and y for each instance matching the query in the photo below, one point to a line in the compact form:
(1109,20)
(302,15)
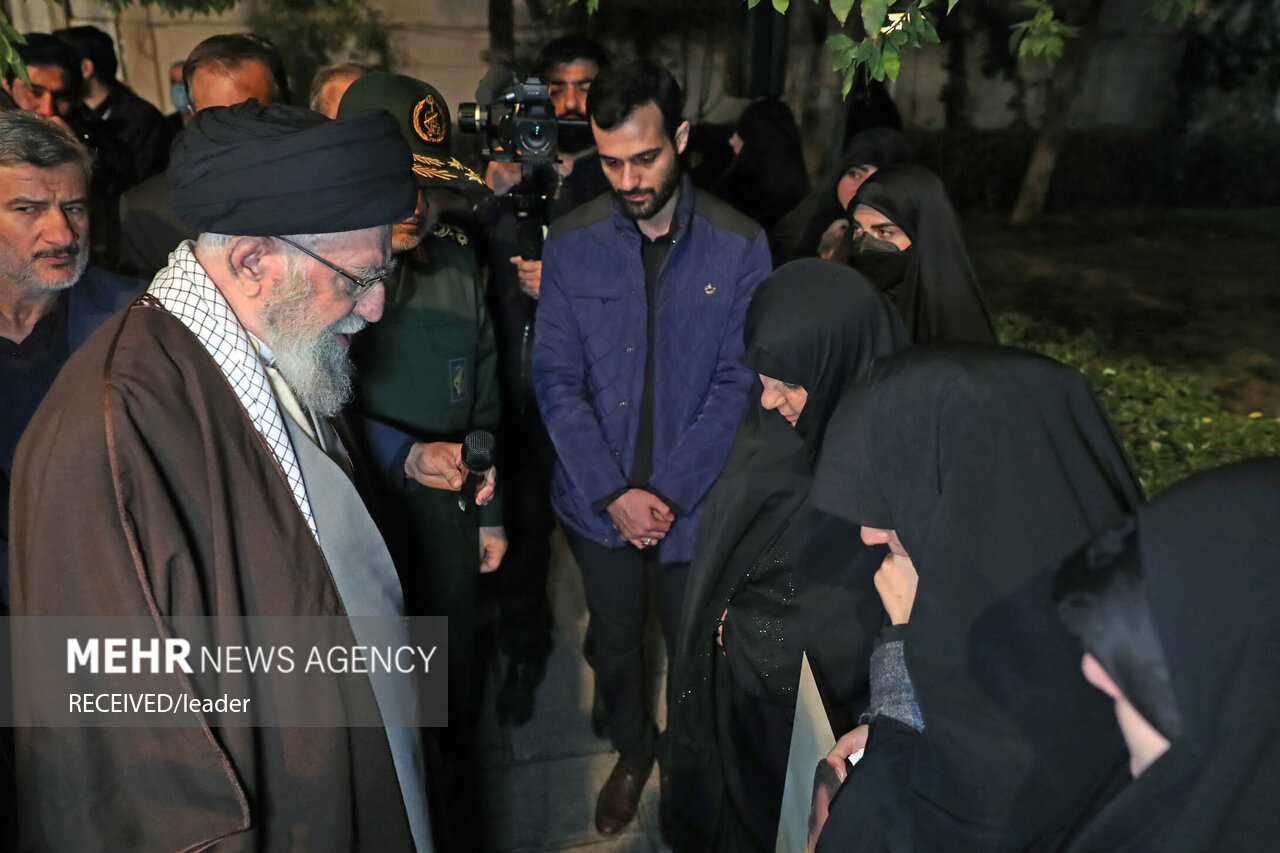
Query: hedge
(1171,421)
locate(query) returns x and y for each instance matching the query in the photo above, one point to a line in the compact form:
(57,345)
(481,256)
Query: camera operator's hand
(530,273)
(501,177)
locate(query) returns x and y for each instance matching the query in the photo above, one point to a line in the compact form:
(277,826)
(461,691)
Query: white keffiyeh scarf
(186,291)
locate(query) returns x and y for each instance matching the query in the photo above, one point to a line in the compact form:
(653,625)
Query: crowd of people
(781,406)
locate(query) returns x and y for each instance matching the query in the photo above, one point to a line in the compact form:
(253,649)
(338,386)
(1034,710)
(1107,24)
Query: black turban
(251,169)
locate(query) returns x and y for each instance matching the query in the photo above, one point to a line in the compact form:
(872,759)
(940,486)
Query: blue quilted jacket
(591,343)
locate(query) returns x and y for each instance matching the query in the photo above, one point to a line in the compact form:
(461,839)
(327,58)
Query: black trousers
(524,628)
(616,583)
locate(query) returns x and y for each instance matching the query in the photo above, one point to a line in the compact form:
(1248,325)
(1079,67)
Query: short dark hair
(571,48)
(94,45)
(229,50)
(44,49)
(621,90)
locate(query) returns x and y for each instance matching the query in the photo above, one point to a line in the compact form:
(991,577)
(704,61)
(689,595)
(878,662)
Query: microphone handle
(467,494)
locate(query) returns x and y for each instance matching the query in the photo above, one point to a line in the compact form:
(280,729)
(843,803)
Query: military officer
(430,369)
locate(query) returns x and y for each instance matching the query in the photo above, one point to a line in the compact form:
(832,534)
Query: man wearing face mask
(177,119)
(907,241)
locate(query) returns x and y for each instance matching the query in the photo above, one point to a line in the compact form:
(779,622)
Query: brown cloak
(143,493)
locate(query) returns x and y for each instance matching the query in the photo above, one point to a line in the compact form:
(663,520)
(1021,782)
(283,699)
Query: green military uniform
(429,367)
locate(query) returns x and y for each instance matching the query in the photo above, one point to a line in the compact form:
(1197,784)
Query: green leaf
(842,61)
(751,4)
(898,38)
(951,4)
(10,36)
(781,6)
(841,9)
(891,62)
(927,32)
(839,41)
(848,82)
(875,67)
(874,13)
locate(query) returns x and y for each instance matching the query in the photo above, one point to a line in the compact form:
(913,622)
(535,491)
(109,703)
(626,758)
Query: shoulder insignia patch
(450,232)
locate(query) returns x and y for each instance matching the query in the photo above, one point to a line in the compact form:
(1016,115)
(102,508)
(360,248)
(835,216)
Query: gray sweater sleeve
(892,694)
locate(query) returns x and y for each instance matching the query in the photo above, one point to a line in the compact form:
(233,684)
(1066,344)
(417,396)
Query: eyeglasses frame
(360,285)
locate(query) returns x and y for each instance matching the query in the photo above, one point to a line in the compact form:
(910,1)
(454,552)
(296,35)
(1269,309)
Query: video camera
(516,123)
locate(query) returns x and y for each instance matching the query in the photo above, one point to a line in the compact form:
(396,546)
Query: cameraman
(568,65)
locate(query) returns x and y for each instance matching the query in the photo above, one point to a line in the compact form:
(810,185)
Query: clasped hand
(641,517)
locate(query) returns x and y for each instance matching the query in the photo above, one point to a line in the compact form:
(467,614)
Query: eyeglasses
(360,285)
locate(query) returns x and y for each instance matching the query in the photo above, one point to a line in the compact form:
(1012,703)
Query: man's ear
(86,68)
(682,137)
(1098,677)
(249,260)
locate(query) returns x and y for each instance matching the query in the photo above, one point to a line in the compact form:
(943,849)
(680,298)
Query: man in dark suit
(50,299)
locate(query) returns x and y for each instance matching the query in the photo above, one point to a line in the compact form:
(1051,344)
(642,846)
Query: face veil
(938,292)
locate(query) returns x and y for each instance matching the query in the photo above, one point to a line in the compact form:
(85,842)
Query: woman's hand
(852,741)
(896,581)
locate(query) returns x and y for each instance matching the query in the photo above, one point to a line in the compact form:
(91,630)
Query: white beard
(314,365)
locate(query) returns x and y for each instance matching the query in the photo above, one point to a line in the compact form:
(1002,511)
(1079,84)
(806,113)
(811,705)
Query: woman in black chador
(1179,612)
(815,227)
(981,468)
(907,241)
(767,176)
(780,579)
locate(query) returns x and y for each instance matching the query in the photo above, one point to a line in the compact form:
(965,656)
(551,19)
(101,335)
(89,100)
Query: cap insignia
(428,123)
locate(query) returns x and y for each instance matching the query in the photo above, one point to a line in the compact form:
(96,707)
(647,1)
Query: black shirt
(653,253)
(27,370)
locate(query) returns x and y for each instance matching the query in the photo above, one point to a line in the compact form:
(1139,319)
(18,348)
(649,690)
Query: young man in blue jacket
(635,361)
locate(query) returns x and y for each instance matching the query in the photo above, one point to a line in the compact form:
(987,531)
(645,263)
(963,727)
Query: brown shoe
(620,796)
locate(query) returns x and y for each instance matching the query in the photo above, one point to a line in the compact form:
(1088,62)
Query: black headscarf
(1206,553)
(266,170)
(992,464)
(797,234)
(768,177)
(820,325)
(937,290)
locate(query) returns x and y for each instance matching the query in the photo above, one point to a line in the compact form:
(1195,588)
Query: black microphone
(477,458)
